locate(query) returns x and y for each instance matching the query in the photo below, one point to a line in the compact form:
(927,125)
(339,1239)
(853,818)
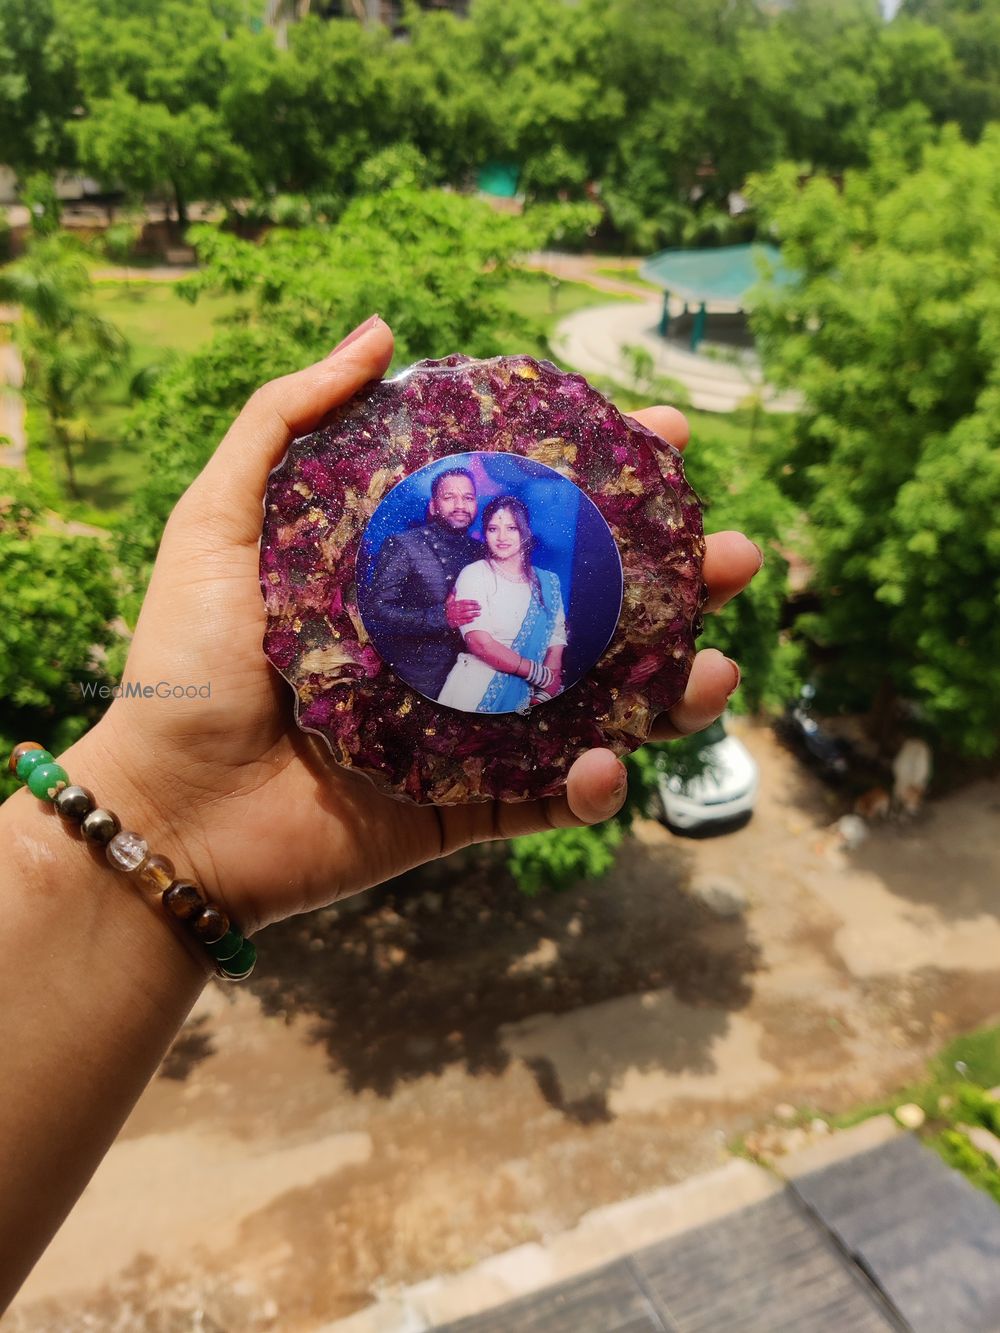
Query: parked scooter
(829,756)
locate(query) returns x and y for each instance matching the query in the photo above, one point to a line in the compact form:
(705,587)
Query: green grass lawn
(629,274)
(159,326)
(155,319)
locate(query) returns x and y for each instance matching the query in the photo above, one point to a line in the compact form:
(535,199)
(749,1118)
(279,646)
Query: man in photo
(416,620)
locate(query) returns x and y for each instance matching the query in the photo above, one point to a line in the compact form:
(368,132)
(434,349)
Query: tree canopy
(662,109)
(893,337)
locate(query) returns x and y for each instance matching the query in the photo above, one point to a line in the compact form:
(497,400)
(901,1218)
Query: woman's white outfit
(503,606)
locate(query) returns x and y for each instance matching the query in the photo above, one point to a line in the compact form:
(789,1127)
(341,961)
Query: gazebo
(725,276)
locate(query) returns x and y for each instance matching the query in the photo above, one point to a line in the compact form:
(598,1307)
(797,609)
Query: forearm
(496,655)
(94,985)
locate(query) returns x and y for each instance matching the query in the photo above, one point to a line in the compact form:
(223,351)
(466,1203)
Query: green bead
(31,760)
(46,781)
(228,947)
(241,963)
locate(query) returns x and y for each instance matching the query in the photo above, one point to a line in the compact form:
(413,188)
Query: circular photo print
(488,582)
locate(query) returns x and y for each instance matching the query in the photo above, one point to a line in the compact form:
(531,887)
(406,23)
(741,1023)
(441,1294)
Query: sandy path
(13,442)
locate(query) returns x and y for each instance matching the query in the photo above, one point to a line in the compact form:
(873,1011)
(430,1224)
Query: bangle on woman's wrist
(233,956)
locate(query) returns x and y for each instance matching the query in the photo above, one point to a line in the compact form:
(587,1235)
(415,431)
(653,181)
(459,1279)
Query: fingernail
(355,334)
(621,783)
(737,677)
(760,557)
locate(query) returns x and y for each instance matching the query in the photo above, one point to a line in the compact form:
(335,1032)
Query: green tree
(150,75)
(38,194)
(308,117)
(893,336)
(60,603)
(37,87)
(147,149)
(69,351)
(972,28)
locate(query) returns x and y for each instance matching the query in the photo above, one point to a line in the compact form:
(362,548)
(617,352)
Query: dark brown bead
(211,925)
(74,803)
(184,900)
(100,826)
(19,750)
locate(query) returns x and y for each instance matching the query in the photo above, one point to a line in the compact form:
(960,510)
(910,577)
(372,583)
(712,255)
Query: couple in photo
(473,624)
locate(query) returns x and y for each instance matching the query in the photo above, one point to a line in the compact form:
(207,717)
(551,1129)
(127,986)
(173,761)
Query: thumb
(275,415)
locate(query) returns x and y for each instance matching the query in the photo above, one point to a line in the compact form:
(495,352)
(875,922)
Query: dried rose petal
(320,498)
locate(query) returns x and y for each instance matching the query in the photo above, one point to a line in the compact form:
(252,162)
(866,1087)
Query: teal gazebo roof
(727,274)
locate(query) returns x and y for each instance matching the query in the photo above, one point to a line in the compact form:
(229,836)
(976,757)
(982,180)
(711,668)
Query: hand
(229,788)
(459,612)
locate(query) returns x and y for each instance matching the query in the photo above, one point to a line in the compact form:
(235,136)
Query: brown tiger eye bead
(157,873)
(19,750)
(183,900)
(100,826)
(211,925)
(74,803)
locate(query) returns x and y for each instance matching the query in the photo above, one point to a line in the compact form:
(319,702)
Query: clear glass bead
(127,851)
(157,873)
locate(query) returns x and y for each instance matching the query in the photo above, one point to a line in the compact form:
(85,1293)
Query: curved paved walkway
(717,379)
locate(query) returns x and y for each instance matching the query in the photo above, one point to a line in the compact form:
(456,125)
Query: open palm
(231,789)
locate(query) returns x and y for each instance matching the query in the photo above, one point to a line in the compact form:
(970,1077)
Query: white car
(725,790)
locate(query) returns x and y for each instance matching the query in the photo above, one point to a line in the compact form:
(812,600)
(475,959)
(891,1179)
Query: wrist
(86,908)
(52,849)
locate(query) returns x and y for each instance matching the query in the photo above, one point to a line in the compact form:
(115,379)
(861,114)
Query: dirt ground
(429,1075)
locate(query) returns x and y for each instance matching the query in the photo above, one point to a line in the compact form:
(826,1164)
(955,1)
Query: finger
(595,790)
(712,682)
(666,422)
(273,417)
(731,561)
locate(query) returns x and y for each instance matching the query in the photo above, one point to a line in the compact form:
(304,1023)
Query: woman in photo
(514,646)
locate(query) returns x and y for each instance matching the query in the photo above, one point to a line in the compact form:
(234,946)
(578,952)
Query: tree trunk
(181,206)
(63,440)
(883,719)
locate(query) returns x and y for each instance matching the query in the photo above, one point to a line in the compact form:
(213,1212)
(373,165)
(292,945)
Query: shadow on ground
(426,972)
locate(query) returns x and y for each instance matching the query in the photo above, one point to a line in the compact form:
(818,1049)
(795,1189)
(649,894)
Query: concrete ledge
(601,1236)
(835,1147)
(389,1316)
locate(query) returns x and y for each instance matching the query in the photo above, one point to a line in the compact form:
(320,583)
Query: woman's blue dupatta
(510,694)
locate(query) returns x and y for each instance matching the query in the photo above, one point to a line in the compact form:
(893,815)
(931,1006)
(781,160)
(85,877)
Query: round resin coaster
(476,571)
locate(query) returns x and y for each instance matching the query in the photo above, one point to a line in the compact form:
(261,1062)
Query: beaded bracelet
(233,955)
